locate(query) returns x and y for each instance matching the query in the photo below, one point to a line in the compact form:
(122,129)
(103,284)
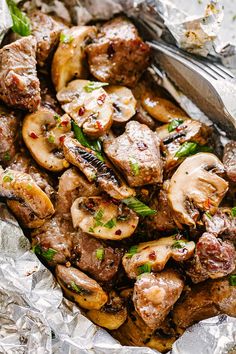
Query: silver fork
(211,86)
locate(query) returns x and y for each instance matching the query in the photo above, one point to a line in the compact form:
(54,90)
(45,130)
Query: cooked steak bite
(213,259)
(9,129)
(205,300)
(229,160)
(96,258)
(155,294)
(19,85)
(118,55)
(136,153)
(47,31)
(222,223)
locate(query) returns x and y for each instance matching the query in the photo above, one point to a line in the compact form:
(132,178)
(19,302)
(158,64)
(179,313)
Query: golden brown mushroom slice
(161,109)
(78,287)
(96,170)
(153,255)
(103,218)
(89,105)
(196,186)
(123,102)
(25,198)
(69,59)
(112,315)
(44,132)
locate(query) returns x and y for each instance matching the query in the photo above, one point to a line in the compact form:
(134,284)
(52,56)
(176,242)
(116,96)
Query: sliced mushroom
(112,315)
(72,185)
(78,287)
(28,202)
(178,132)
(43,133)
(123,102)
(161,109)
(89,105)
(153,255)
(96,170)
(103,218)
(196,186)
(69,59)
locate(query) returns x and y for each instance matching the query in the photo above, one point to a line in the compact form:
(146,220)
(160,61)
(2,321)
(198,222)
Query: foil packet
(34,316)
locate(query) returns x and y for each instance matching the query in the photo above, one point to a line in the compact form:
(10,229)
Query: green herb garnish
(133,250)
(64,38)
(138,206)
(7,156)
(174,124)
(93,85)
(75,287)
(233,212)
(232,280)
(191,148)
(21,23)
(145,268)
(57,118)
(47,255)
(110,223)
(94,145)
(51,139)
(100,254)
(134,166)
(179,244)
(208,215)
(8,178)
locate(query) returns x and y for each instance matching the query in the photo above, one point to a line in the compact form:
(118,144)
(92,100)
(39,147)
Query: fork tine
(215,70)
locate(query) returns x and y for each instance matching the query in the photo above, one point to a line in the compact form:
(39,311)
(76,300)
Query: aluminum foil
(34,316)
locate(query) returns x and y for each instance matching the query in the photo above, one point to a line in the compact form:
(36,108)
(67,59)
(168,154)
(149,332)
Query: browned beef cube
(229,160)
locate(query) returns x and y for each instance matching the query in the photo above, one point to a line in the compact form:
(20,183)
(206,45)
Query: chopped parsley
(145,268)
(110,223)
(98,217)
(190,148)
(51,139)
(65,38)
(8,178)
(233,212)
(57,118)
(7,156)
(138,206)
(100,253)
(232,280)
(174,124)
(208,215)
(132,251)
(134,166)
(47,255)
(179,244)
(75,287)
(21,23)
(93,85)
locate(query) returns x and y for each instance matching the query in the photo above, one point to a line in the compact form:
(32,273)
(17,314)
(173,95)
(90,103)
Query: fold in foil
(34,316)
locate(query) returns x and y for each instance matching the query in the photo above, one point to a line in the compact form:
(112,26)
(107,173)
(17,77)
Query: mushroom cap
(43,135)
(69,59)
(196,185)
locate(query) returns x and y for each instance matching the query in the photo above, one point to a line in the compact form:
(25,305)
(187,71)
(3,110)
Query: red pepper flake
(81,111)
(152,256)
(33,135)
(207,204)
(118,232)
(101,99)
(99,125)
(62,138)
(64,123)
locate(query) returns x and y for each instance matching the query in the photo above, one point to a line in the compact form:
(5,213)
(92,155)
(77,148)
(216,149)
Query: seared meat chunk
(54,241)
(9,129)
(205,300)
(47,31)
(229,160)
(213,258)
(24,163)
(118,55)
(19,85)
(136,153)
(155,294)
(163,219)
(48,95)
(95,258)
(222,223)
(72,184)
